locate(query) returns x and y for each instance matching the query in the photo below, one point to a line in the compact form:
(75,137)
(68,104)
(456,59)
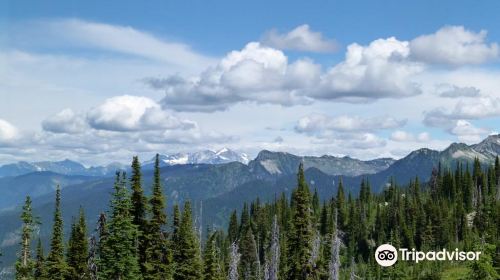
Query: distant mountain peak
(224,155)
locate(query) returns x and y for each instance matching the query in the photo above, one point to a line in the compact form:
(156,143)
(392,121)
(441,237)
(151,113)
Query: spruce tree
(139,210)
(300,239)
(78,249)
(56,265)
(187,259)
(158,256)
(119,256)
(25,263)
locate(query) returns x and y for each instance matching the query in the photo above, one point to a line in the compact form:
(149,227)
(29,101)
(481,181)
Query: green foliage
(157,255)
(187,258)
(40,271)
(333,239)
(78,249)
(139,210)
(118,255)
(56,264)
(300,238)
(25,264)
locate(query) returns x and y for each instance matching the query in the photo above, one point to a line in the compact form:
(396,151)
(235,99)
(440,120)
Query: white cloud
(467,132)
(454,45)
(379,70)
(263,75)
(123,39)
(65,121)
(318,124)
(404,136)
(453,91)
(8,132)
(477,108)
(256,73)
(132,113)
(302,38)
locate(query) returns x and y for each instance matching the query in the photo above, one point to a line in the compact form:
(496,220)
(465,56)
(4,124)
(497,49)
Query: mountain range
(69,167)
(222,181)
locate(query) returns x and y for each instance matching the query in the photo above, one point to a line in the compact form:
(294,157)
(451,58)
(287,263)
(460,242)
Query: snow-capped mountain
(224,155)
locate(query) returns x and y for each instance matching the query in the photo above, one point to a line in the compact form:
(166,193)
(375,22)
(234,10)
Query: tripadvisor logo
(387,255)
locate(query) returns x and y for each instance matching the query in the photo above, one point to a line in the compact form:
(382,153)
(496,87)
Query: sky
(101,81)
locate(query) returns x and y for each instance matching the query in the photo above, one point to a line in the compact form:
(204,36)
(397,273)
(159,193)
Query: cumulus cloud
(132,113)
(263,74)
(477,108)
(379,70)
(256,73)
(467,132)
(8,132)
(318,124)
(454,45)
(302,38)
(453,91)
(404,136)
(65,121)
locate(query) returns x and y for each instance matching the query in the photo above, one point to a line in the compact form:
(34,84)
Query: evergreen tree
(212,265)
(232,231)
(300,247)
(25,263)
(56,265)
(118,256)
(139,210)
(40,272)
(187,259)
(158,256)
(78,249)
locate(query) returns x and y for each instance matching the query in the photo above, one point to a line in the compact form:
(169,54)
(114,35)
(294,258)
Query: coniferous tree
(78,249)
(139,210)
(211,260)
(300,239)
(40,272)
(118,256)
(56,265)
(25,263)
(158,256)
(232,231)
(187,259)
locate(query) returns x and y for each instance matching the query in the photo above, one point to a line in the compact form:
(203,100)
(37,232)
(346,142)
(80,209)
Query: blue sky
(361,78)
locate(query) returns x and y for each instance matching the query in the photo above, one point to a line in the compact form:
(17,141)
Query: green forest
(303,236)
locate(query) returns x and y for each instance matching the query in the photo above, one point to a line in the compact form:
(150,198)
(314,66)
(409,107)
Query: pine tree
(300,246)
(139,210)
(187,259)
(118,256)
(56,265)
(25,264)
(40,272)
(78,250)
(158,256)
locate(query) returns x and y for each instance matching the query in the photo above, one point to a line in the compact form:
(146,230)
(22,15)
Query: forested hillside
(304,236)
